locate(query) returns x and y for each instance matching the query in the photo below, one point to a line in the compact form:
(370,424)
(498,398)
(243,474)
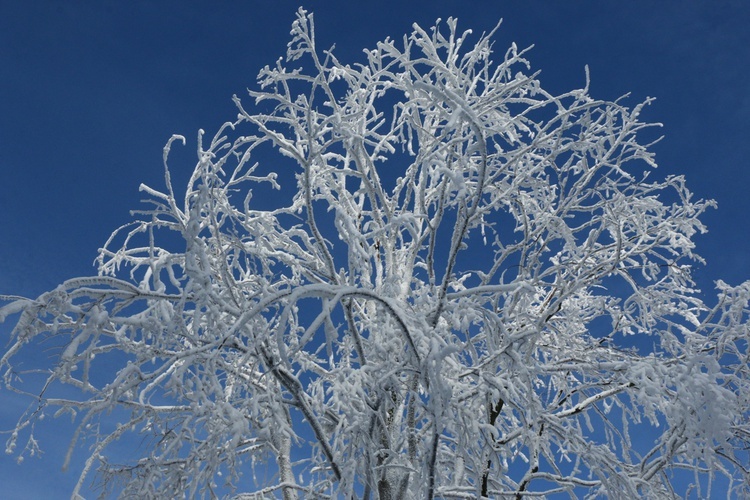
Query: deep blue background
(91,91)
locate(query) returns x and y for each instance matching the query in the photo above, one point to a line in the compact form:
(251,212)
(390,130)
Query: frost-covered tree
(464,287)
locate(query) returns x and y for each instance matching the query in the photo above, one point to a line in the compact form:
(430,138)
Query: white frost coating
(351,310)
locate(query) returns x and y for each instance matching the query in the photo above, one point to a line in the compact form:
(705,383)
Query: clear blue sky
(90,92)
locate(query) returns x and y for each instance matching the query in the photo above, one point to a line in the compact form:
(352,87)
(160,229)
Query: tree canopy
(419,275)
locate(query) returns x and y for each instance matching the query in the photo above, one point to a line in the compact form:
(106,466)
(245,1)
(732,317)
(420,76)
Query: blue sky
(91,91)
